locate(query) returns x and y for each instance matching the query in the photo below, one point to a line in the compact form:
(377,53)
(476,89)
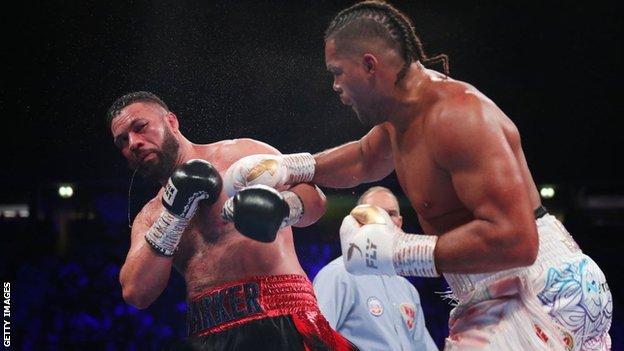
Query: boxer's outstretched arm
(366,160)
(145,273)
(313,199)
(469,143)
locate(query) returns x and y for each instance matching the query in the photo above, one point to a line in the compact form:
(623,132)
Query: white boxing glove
(372,245)
(276,171)
(367,239)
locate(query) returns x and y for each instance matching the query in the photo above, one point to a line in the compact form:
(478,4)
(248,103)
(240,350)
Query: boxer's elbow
(318,205)
(315,205)
(135,297)
(527,251)
(134,292)
(521,247)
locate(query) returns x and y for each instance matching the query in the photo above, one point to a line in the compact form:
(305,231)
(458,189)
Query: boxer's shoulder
(450,87)
(465,110)
(460,111)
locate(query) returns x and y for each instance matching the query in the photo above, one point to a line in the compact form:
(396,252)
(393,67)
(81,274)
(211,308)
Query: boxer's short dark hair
(130,98)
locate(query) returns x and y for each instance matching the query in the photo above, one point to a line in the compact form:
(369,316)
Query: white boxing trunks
(561,302)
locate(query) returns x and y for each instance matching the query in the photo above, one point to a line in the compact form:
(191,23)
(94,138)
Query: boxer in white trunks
(521,281)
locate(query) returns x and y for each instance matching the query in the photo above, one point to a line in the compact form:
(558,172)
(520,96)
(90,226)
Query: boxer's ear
(172,120)
(370,62)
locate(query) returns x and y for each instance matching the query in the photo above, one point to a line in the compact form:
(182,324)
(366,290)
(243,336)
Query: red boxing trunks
(245,312)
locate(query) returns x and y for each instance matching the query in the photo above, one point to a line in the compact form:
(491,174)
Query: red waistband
(235,303)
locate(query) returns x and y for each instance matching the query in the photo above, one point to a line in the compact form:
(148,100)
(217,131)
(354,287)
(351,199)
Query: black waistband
(540,212)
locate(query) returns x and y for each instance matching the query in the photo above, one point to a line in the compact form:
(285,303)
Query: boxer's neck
(407,100)
(187,150)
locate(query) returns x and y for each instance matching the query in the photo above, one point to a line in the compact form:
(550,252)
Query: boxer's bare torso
(457,156)
(211,251)
(420,150)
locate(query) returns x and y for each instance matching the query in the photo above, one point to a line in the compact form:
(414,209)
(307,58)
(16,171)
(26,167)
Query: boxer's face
(386,201)
(143,133)
(352,83)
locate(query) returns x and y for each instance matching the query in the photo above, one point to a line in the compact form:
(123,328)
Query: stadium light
(65,191)
(547,192)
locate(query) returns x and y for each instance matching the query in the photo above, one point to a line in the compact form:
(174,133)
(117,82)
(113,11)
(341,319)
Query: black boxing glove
(259,211)
(190,183)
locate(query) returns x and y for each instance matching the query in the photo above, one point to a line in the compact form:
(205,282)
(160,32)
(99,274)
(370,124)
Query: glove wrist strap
(296,208)
(166,233)
(300,167)
(227,211)
(413,255)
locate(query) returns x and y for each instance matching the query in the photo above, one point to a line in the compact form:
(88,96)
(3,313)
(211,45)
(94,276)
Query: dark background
(256,69)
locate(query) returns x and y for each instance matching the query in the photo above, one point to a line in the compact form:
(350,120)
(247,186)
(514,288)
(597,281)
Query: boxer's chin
(155,169)
(160,168)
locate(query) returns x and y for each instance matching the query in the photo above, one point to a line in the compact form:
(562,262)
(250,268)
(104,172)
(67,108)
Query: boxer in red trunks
(244,291)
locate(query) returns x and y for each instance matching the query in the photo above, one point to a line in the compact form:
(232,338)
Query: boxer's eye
(139,127)
(335,72)
(121,141)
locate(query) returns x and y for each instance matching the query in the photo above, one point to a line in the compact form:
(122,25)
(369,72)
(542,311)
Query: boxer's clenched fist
(276,171)
(372,245)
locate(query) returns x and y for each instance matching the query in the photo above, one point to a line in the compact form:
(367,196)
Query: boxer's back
(424,180)
(211,251)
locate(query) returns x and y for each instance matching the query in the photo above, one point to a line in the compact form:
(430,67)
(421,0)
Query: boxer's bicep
(485,175)
(144,274)
(363,161)
(377,152)
(487,180)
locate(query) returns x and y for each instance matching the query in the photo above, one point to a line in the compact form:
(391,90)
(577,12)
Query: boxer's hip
(234,303)
(563,286)
(576,295)
(249,311)
(556,247)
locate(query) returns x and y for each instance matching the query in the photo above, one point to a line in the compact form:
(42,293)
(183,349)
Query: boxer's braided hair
(380,19)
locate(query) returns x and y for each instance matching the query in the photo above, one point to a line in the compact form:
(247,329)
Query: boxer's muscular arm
(366,160)
(145,273)
(472,147)
(313,199)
